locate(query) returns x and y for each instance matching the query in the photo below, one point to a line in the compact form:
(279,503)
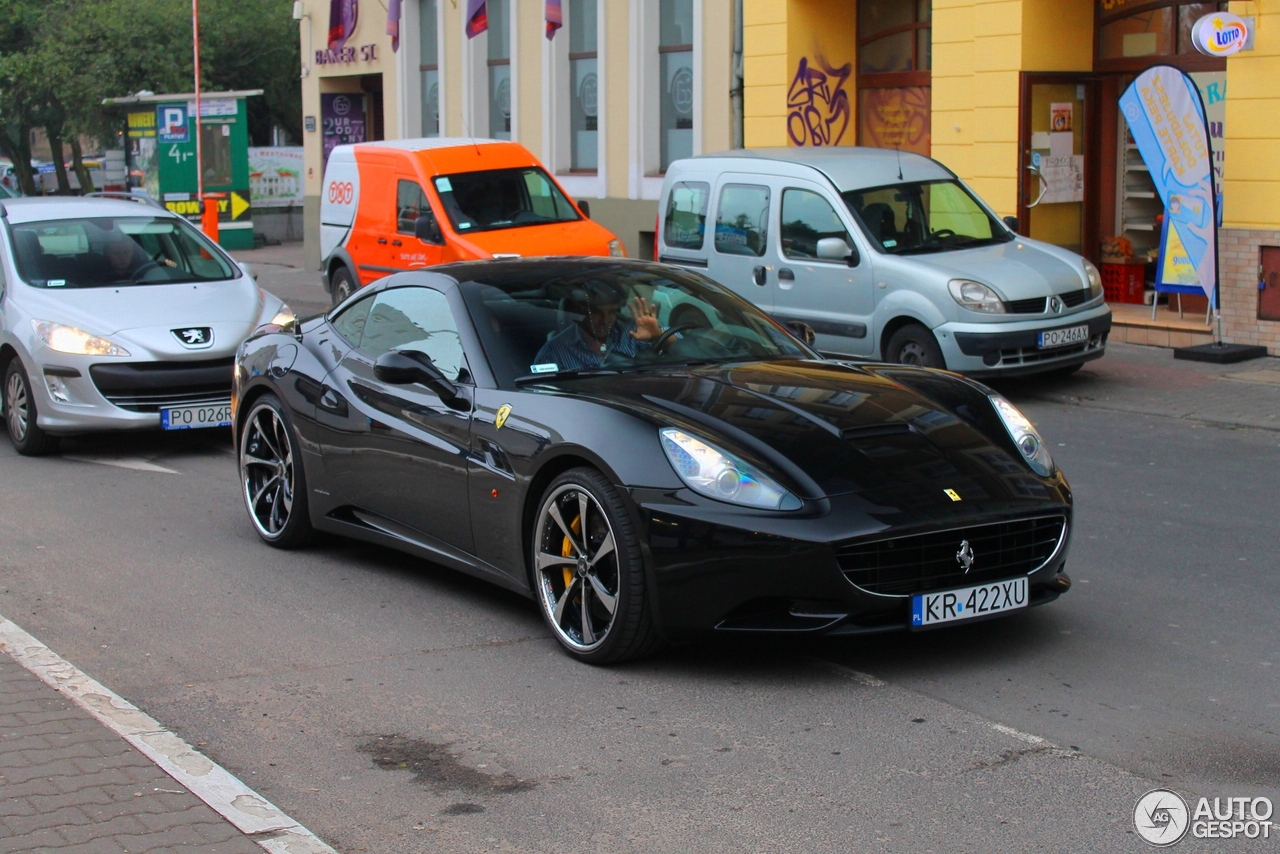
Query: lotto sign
(1220,34)
(172,123)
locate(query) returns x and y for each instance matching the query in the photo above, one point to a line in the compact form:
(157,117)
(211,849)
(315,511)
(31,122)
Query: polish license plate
(1064,337)
(191,417)
(968,603)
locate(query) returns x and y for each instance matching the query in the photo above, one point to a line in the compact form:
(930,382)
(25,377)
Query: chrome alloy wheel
(266,469)
(17,406)
(575,561)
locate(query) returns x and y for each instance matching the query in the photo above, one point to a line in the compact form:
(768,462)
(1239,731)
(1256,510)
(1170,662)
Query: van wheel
(915,345)
(342,284)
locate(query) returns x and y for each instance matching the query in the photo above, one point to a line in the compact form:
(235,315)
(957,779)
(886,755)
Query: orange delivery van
(401,205)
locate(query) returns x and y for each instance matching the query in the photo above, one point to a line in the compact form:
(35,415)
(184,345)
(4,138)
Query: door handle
(1044,186)
(786,275)
(759,275)
(382,241)
(396,243)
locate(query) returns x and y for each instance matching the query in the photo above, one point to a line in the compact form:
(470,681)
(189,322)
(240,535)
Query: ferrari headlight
(975,296)
(713,473)
(284,316)
(68,339)
(616,249)
(1095,279)
(1024,436)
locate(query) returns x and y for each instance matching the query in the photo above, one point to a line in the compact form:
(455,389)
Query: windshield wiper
(567,374)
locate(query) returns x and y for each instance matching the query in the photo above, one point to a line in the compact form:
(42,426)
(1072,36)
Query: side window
(350,324)
(686,221)
(411,203)
(742,220)
(415,319)
(807,218)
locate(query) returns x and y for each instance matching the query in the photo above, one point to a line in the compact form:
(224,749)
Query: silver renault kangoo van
(884,255)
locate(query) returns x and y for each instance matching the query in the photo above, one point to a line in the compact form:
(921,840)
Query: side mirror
(802,330)
(1012,222)
(249,271)
(404,367)
(835,249)
(585,208)
(426,229)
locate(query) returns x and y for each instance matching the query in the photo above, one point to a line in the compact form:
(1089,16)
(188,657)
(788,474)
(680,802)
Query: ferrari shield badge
(501,417)
(952,494)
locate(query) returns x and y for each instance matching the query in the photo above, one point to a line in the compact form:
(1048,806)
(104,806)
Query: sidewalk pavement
(68,784)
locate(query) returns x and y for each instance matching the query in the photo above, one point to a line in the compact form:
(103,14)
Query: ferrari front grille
(904,566)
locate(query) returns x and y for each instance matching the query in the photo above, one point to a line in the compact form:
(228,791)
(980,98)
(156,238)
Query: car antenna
(467,131)
(899,150)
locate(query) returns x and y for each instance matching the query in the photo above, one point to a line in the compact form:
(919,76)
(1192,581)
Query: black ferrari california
(647,455)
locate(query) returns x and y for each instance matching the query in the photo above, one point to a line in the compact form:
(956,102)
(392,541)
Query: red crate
(1123,282)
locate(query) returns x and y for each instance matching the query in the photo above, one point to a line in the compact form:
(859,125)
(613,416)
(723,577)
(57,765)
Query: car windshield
(502,198)
(6,193)
(98,252)
(924,216)
(546,320)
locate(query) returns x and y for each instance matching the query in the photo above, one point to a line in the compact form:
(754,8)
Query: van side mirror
(835,249)
(1012,222)
(405,367)
(585,208)
(426,229)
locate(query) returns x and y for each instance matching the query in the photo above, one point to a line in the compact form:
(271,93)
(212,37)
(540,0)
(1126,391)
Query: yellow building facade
(983,100)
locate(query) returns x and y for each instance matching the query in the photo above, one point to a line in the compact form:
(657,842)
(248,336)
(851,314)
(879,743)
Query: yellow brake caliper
(566,548)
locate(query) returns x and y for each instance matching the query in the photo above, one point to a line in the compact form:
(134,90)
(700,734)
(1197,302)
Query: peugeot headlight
(1095,279)
(284,316)
(711,472)
(616,249)
(68,339)
(1024,436)
(975,296)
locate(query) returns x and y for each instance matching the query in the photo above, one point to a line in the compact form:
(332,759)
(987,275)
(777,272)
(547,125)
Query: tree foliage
(60,58)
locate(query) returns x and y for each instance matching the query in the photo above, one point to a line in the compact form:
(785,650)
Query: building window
(1160,29)
(429,66)
(677,80)
(584,107)
(499,68)
(894,61)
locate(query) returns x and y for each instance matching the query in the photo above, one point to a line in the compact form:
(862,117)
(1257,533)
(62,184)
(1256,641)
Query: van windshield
(924,216)
(503,198)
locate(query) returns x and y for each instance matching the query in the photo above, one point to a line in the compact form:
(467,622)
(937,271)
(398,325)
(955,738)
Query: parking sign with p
(172,124)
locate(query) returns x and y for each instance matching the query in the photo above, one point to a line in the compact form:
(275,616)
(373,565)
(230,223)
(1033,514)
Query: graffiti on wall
(818,111)
(895,118)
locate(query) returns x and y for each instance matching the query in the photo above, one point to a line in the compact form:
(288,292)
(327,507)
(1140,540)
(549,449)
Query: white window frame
(475,77)
(643,179)
(408,64)
(555,110)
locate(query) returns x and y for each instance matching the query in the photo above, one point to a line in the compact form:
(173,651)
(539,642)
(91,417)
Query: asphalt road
(391,705)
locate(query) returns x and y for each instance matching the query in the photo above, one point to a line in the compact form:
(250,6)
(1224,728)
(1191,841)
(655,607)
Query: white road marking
(134,463)
(1018,734)
(251,813)
(856,675)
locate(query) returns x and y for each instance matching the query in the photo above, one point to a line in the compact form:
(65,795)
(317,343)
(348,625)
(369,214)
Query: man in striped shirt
(601,332)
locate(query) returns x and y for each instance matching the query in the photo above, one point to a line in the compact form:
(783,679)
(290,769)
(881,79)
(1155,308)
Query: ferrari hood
(837,428)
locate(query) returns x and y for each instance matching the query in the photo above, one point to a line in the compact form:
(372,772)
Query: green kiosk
(161,155)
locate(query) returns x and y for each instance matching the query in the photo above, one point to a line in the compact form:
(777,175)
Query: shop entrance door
(1058,174)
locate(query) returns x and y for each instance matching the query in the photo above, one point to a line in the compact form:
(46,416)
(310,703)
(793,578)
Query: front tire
(588,576)
(342,285)
(273,483)
(20,415)
(915,345)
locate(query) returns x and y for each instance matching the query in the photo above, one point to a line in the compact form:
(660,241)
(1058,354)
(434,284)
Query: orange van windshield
(503,198)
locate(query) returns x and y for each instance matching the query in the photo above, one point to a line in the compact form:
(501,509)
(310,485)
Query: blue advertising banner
(1167,119)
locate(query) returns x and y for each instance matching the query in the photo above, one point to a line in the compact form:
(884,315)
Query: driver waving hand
(601,331)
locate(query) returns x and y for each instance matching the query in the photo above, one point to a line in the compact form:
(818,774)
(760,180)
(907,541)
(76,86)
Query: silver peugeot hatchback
(116,314)
(881,255)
